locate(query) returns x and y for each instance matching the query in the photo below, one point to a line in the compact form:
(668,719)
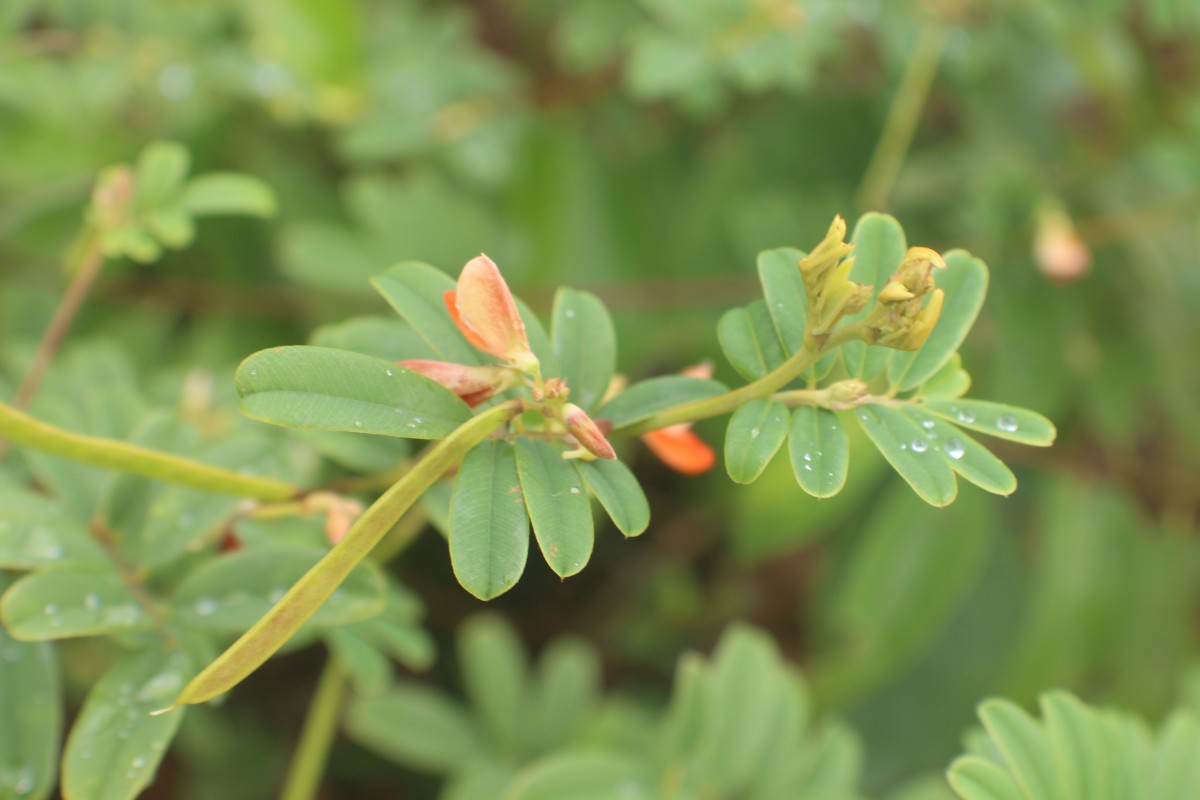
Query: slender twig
(316,739)
(106,538)
(82,279)
(765,386)
(903,117)
(22,429)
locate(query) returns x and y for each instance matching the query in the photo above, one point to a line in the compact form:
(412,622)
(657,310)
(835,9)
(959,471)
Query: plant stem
(765,386)
(320,726)
(903,117)
(314,588)
(22,429)
(83,276)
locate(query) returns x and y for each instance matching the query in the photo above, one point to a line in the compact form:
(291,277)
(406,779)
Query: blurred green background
(646,150)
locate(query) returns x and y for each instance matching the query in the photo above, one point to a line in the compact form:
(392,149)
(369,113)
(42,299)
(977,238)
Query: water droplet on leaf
(920,445)
(955,448)
(1007,422)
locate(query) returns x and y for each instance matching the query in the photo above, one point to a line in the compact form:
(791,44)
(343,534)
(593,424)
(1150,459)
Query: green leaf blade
(647,398)
(326,389)
(115,745)
(414,726)
(783,288)
(489,527)
(586,345)
(975,778)
(495,675)
(1023,746)
(69,602)
(415,291)
(755,433)
(997,419)
(232,592)
(879,246)
(618,490)
(228,193)
(819,450)
(31,725)
(895,435)
(557,505)
(965,456)
(748,338)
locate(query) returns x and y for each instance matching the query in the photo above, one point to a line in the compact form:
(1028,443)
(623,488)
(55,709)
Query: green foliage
(650,152)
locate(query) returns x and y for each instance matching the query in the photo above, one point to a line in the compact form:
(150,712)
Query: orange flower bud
(485,312)
(587,432)
(1061,255)
(680,449)
(472,384)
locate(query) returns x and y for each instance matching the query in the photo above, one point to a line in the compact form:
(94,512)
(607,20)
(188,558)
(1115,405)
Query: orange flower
(680,449)
(472,384)
(484,310)
(676,445)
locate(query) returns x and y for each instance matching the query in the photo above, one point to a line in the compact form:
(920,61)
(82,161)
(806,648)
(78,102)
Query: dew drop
(54,552)
(92,601)
(390,373)
(807,457)
(358,423)
(808,467)
(965,416)
(1006,422)
(927,424)
(138,763)
(417,420)
(574,490)
(205,607)
(955,448)
(904,445)
(754,433)
(51,608)
(570,313)
(920,445)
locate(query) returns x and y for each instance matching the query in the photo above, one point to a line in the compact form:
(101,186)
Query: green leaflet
(618,490)
(414,726)
(905,446)
(563,693)
(37,533)
(228,193)
(489,527)
(66,602)
(115,745)
(756,432)
(586,345)
(783,288)
(647,398)
(1023,745)
(557,505)
(317,387)
(975,778)
(385,337)
(819,450)
(997,419)
(582,776)
(415,291)
(965,456)
(964,280)
(495,676)
(948,383)
(31,725)
(231,592)
(748,337)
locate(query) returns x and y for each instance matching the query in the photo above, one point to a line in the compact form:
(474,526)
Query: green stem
(903,117)
(277,626)
(20,428)
(765,386)
(320,726)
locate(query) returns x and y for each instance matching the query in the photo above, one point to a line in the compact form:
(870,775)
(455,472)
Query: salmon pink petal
(587,432)
(451,300)
(486,308)
(473,384)
(680,449)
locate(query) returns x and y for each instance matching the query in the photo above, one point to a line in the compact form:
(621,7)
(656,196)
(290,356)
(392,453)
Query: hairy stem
(306,596)
(903,117)
(20,428)
(320,726)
